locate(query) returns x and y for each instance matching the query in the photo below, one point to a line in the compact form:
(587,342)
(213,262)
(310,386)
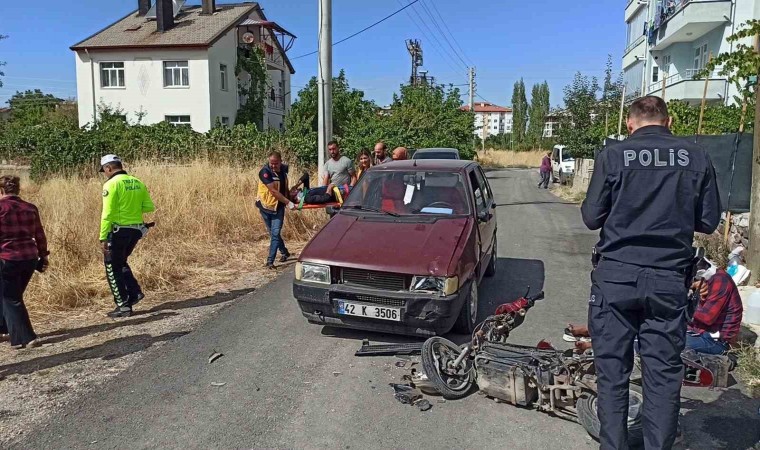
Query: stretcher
(316,205)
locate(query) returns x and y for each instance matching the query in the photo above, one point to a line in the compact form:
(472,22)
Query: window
(225,121)
(178,120)
(112,74)
(666,65)
(655,74)
(223,75)
(176,74)
(477,190)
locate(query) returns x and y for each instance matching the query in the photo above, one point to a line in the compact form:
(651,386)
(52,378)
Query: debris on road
(411,348)
(214,356)
(217,384)
(405,393)
(337,373)
(400,363)
(423,405)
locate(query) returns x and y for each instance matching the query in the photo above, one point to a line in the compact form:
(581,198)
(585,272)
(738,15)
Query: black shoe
(137,299)
(285,257)
(120,311)
(271,266)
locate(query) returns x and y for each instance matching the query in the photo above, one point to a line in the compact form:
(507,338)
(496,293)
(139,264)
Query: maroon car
(405,253)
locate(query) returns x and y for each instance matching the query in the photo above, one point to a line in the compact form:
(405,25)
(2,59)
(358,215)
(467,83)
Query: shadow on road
(513,278)
(64,334)
(731,421)
(558,202)
(113,349)
(200,301)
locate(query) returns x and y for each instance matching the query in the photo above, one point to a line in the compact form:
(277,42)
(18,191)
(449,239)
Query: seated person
(717,319)
(392,196)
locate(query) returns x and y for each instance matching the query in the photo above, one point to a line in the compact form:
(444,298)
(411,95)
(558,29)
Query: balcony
(277,102)
(683,86)
(632,6)
(634,52)
(688,20)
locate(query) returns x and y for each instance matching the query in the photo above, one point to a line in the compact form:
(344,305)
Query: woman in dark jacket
(23,248)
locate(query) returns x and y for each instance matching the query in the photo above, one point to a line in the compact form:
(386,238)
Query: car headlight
(315,273)
(439,285)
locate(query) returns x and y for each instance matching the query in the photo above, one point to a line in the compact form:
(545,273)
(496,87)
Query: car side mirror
(485,216)
(332,210)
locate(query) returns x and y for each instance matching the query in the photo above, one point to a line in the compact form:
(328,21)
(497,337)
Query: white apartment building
(669,41)
(491,119)
(168,62)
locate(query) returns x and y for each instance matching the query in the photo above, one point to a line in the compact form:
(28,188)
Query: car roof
(426,164)
(436,149)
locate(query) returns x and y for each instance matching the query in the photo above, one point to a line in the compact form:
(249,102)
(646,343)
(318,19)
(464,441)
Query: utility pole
(415,51)
(324,98)
(753,254)
(472,97)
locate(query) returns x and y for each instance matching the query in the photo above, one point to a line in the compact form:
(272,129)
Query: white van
(563,165)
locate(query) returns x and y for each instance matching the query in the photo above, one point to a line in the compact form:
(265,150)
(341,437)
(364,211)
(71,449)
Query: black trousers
(122,282)
(626,302)
(545,178)
(14,278)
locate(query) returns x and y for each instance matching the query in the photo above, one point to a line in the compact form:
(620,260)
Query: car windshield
(408,193)
(566,156)
(435,155)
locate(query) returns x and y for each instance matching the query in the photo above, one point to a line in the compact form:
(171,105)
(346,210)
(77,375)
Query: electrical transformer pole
(324,98)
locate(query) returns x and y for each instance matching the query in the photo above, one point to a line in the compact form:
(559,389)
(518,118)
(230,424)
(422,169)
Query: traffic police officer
(125,200)
(648,195)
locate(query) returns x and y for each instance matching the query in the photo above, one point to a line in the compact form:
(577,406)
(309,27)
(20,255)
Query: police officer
(125,200)
(648,195)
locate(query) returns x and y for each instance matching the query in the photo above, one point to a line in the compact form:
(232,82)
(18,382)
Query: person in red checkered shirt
(23,248)
(718,317)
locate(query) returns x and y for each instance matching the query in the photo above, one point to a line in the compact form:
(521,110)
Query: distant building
(496,119)
(669,41)
(551,125)
(177,64)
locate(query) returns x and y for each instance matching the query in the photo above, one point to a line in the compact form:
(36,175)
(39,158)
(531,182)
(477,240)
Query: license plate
(374,312)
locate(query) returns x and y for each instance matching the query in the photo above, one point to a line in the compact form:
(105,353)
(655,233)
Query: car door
(484,214)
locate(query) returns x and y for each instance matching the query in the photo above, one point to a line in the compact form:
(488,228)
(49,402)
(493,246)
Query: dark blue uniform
(648,195)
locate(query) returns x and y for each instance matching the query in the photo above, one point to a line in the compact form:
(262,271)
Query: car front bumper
(421,314)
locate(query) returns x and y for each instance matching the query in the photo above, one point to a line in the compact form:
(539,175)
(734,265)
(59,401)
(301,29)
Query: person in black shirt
(648,195)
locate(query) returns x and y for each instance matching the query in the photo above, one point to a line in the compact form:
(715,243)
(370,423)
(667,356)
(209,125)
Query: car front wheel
(468,316)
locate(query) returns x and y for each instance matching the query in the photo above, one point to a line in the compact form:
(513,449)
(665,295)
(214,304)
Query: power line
(435,8)
(435,38)
(441,52)
(438,27)
(362,30)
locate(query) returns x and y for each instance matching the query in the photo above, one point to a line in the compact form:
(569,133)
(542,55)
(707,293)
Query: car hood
(399,246)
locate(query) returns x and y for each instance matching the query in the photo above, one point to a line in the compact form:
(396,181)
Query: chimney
(142,7)
(208,7)
(164,15)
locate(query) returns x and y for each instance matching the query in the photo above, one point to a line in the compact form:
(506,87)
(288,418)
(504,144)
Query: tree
(2,63)
(539,109)
(578,120)
(609,106)
(426,116)
(351,112)
(29,107)
(519,112)
(253,87)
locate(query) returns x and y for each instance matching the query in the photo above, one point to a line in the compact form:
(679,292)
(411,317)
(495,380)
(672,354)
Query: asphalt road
(291,384)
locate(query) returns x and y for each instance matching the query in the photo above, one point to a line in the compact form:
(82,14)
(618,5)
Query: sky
(503,39)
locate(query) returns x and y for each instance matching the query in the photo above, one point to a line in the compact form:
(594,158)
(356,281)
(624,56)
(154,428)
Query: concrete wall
(144,87)
(223,103)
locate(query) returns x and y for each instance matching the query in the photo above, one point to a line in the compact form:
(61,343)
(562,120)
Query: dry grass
(208,231)
(508,158)
(748,366)
(568,194)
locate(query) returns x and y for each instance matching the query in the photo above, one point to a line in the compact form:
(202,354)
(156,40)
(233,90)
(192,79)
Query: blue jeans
(704,343)
(274,222)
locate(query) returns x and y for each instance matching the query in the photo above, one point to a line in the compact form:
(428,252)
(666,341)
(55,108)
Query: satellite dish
(248,38)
